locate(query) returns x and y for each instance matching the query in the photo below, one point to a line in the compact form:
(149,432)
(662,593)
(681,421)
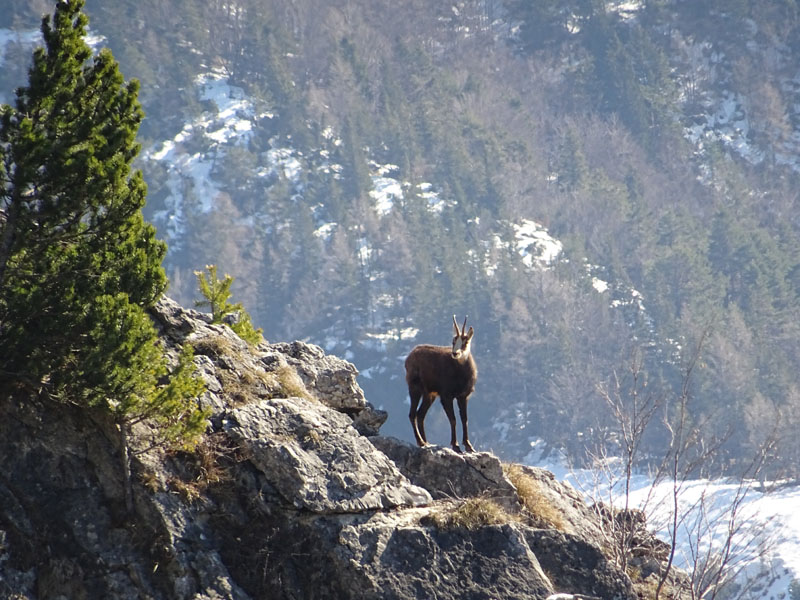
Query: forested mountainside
(596,184)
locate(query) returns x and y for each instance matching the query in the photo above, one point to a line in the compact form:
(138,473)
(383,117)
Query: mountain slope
(365,170)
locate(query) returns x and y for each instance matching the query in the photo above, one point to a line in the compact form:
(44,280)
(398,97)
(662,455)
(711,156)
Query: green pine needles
(79,266)
(216,293)
(126,358)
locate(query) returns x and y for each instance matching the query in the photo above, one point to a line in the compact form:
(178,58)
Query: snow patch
(627,9)
(386,191)
(727,124)
(285,160)
(535,245)
(436,204)
(189,174)
(599,285)
(406,333)
(325,231)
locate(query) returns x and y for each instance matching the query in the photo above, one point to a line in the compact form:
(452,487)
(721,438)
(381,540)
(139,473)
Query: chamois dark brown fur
(449,373)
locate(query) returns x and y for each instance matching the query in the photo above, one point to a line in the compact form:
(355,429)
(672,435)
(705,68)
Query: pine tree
(216,292)
(78,264)
(72,228)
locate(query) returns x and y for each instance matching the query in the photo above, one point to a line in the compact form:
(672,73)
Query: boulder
(382,558)
(316,460)
(448,474)
(221,355)
(578,566)
(330,379)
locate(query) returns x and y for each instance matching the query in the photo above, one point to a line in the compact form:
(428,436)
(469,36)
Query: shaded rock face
(36,510)
(580,565)
(285,498)
(408,561)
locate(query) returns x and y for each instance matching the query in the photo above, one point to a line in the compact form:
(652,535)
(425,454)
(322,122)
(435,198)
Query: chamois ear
(470,333)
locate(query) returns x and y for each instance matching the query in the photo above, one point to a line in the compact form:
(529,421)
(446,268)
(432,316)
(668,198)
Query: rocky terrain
(292,494)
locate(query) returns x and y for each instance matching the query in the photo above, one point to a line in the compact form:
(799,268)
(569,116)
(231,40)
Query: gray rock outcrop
(291,495)
(298,446)
(448,474)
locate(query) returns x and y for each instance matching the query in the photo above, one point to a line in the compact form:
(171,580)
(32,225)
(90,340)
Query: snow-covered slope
(754,526)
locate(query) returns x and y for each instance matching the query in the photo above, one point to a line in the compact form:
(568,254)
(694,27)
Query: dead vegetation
(210,464)
(535,503)
(470,514)
(290,384)
(479,511)
(243,380)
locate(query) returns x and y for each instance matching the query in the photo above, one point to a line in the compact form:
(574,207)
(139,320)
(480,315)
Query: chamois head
(461,340)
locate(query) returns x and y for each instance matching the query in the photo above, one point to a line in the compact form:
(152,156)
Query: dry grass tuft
(312,438)
(209,454)
(243,381)
(210,464)
(533,499)
(214,346)
(291,384)
(149,479)
(471,514)
(647,588)
(189,491)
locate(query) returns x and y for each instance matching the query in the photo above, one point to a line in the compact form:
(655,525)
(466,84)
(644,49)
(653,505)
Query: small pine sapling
(135,384)
(216,292)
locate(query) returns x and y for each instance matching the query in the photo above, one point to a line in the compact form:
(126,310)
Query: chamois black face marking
(450,374)
(461,341)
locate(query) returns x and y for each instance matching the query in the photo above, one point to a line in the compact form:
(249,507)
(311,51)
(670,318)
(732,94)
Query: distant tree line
(563,113)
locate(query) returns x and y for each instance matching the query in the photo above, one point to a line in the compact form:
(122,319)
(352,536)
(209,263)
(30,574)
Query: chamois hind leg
(415,394)
(462,411)
(427,401)
(447,403)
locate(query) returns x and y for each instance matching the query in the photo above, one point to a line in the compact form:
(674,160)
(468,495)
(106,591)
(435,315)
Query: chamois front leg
(462,411)
(415,396)
(427,400)
(447,403)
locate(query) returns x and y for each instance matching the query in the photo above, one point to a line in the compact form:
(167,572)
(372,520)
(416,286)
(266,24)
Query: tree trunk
(125,456)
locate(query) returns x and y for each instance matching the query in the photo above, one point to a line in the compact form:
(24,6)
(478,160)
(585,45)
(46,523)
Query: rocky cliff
(292,494)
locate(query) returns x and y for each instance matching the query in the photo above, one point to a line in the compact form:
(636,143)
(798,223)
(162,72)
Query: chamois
(445,372)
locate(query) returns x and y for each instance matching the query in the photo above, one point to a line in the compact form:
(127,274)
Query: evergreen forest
(608,190)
